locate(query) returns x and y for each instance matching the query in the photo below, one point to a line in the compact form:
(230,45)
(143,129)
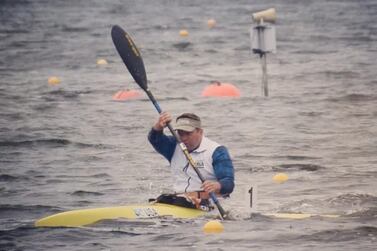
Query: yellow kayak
(83,217)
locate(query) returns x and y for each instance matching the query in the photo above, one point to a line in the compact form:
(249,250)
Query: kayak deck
(83,217)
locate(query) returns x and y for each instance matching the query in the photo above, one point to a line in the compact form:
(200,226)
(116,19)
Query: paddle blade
(130,55)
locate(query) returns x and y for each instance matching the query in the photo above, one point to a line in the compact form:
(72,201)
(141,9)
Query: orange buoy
(211,23)
(213,227)
(183,33)
(126,95)
(102,61)
(217,89)
(53,80)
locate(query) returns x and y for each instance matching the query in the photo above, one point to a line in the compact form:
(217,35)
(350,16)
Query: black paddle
(132,59)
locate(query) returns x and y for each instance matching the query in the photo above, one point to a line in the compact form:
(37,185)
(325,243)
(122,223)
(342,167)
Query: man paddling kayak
(211,158)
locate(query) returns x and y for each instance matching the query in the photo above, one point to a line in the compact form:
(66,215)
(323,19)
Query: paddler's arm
(224,171)
(163,144)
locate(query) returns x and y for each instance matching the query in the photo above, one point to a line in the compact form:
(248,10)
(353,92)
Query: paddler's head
(189,129)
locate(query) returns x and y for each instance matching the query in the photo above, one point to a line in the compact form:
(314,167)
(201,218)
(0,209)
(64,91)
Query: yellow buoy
(280,178)
(53,80)
(101,61)
(213,227)
(211,23)
(183,33)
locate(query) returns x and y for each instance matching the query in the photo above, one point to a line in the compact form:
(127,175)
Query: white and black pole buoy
(263,40)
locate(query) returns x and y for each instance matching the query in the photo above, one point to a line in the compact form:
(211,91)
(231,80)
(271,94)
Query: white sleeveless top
(185,178)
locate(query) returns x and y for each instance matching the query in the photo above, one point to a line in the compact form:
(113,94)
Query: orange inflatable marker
(126,95)
(217,89)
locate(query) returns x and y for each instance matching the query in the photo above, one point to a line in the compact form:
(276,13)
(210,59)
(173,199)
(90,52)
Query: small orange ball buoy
(213,227)
(211,23)
(53,80)
(101,61)
(183,33)
(126,95)
(280,178)
(217,89)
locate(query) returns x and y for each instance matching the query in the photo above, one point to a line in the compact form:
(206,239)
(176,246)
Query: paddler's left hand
(211,186)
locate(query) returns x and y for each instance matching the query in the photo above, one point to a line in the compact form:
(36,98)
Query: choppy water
(70,146)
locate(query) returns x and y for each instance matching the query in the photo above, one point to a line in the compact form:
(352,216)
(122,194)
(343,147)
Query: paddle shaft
(187,155)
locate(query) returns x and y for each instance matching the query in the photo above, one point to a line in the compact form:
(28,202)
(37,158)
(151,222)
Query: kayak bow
(83,217)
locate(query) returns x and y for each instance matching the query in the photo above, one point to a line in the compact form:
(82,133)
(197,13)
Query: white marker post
(263,40)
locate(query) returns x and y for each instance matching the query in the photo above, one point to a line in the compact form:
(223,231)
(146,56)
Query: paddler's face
(191,139)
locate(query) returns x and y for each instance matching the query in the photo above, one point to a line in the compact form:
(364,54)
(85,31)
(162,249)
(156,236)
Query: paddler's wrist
(157,129)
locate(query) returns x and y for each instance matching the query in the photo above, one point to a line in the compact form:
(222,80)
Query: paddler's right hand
(163,120)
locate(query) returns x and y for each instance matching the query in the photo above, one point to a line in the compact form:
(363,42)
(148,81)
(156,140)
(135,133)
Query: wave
(347,205)
(85,193)
(182,46)
(7,177)
(315,52)
(98,175)
(369,213)
(353,202)
(27,143)
(14,238)
(52,142)
(52,95)
(173,98)
(337,74)
(11,117)
(300,167)
(354,97)
(295,157)
(341,235)
(7,209)
(70,29)
(12,178)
